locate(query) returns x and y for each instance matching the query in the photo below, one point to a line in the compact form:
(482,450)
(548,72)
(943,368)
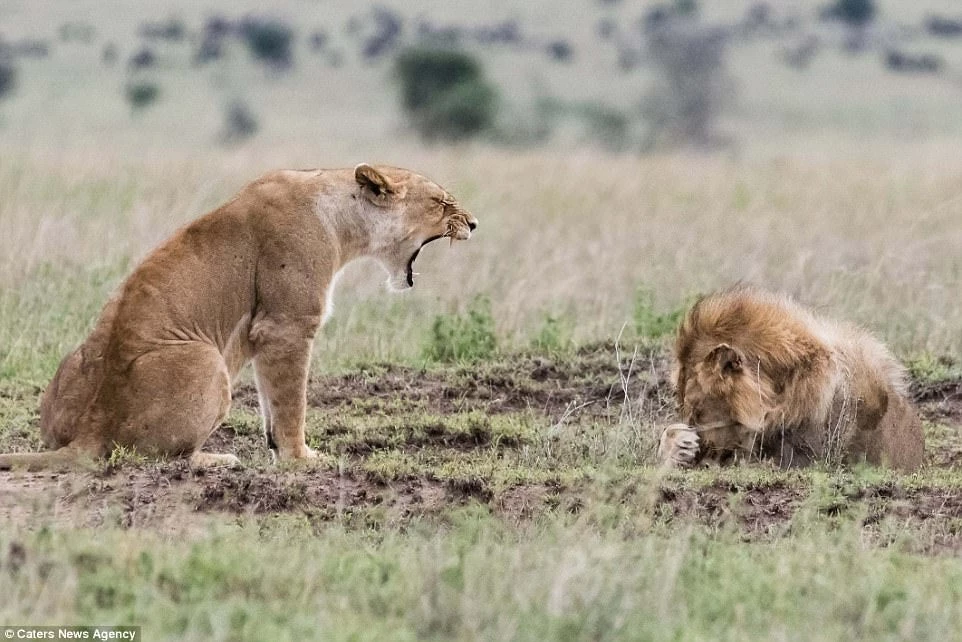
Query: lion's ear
(871,406)
(375,186)
(725,358)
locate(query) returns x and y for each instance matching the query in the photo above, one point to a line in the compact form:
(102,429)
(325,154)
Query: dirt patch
(593,380)
(754,509)
(939,402)
(172,499)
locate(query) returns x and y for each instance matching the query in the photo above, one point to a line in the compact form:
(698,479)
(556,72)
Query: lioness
(758,375)
(250,281)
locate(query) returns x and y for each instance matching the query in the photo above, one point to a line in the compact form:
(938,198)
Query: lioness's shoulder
(284,189)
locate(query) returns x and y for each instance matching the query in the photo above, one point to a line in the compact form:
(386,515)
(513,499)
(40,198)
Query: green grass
(470,576)
(463,337)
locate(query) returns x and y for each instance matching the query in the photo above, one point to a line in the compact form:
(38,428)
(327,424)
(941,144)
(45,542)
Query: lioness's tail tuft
(61,459)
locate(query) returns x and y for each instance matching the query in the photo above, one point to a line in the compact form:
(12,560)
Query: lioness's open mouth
(410,270)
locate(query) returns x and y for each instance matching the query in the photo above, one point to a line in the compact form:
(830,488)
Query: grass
(473,577)
(638,225)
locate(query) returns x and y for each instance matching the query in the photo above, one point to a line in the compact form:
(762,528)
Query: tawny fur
(757,374)
(249,281)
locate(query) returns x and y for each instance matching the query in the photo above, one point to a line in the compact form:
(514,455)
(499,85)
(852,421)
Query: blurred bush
(943,27)
(141,93)
(800,54)
(109,54)
(855,13)
(240,123)
(318,40)
(172,29)
(606,125)
(30,48)
(77,32)
(561,50)
(445,94)
(386,34)
(142,59)
(268,40)
(8,75)
(902,62)
(215,32)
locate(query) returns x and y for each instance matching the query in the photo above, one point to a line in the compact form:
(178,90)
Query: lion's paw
(678,445)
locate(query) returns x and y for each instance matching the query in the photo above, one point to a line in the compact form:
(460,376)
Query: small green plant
(650,322)
(928,368)
(554,334)
(445,93)
(121,456)
(463,337)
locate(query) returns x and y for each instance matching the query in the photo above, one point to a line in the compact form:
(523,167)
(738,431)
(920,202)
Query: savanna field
(489,437)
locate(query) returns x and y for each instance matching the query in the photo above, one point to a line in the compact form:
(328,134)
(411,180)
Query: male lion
(758,375)
(250,281)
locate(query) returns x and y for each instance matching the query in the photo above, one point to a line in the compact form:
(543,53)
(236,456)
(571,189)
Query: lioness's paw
(678,445)
(296,454)
(305,456)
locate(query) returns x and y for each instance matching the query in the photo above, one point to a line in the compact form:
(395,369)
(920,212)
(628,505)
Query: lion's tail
(60,459)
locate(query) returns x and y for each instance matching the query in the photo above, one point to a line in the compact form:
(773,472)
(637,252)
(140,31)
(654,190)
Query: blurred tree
(445,93)
(692,86)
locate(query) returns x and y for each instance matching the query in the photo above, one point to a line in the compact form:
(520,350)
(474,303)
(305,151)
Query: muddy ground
(590,387)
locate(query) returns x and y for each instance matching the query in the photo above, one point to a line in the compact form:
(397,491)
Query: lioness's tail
(61,459)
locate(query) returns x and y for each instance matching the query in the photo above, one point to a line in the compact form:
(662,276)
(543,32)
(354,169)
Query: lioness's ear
(725,358)
(377,187)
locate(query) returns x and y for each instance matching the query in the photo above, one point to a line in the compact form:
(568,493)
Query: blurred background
(621,156)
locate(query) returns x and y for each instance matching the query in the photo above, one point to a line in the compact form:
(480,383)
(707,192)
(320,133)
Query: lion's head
(725,398)
(746,363)
(410,211)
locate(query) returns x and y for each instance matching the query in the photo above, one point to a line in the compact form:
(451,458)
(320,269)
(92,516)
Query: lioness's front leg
(282,355)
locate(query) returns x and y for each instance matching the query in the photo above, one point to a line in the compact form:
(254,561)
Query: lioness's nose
(472,225)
